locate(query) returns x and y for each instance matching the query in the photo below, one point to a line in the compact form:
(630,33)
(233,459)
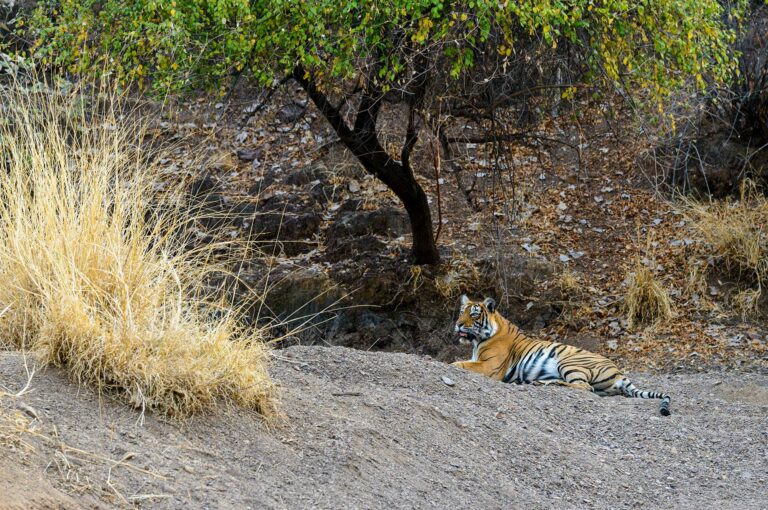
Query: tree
(440,60)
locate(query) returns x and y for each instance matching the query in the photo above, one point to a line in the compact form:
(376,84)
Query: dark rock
(248,154)
(306,175)
(284,204)
(351,205)
(287,248)
(291,112)
(244,210)
(301,293)
(204,185)
(385,221)
(344,248)
(285,227)
(325,193)
(374,329)
(378,289)
(302,226)
(265,179)
(260,186)
(211,211)
(521,272)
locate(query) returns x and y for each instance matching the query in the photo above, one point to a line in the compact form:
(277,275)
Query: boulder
(291,112)
(385,221)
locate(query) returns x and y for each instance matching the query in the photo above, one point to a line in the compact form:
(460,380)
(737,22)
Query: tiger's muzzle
(465,337)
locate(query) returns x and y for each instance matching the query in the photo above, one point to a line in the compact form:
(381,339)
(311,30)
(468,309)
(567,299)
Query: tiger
(501,351)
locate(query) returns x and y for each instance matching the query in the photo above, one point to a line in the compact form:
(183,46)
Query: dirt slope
(375,430)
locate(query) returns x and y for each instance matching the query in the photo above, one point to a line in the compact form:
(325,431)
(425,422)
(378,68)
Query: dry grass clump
(646,301)
(14,426)
(735,232)
(569,286)
(457,276)
(570,295)
(735,244)
(746,303)
(93,274)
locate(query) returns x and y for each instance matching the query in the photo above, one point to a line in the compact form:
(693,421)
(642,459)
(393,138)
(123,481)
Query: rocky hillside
(554,232)
(378,430)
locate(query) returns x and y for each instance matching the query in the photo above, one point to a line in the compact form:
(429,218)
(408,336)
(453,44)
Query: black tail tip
(664,411)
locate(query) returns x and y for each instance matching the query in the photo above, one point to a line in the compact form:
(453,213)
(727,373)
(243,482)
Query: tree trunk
(402,182)
(363,142)
(424,250)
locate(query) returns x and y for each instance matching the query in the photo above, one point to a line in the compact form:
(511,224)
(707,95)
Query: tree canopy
(646,43)
(369,50)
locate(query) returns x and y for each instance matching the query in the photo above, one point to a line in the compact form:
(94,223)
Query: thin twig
(436,163)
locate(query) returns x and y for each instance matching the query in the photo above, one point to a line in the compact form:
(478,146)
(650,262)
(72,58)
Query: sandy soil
(376,430)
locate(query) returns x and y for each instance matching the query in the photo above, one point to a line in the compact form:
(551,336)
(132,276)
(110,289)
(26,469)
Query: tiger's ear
(464,300)
(490,304)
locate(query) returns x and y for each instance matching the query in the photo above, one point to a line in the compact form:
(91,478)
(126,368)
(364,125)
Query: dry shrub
(735,244)
(457,276)
(570,295)
(746,303)
(696,287)
(734,233)
(94,277)
(696,278)
(646,301)
(569,286)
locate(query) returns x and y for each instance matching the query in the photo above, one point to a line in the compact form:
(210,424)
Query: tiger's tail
(630,390)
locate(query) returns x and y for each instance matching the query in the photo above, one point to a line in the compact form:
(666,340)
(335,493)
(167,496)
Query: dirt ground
(379,430)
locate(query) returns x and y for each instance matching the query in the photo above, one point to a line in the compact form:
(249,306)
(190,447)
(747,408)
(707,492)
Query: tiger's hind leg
(559,382)
(580,385)
(577,379)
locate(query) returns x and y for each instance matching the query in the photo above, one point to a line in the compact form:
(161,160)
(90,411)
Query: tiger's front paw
(459,364)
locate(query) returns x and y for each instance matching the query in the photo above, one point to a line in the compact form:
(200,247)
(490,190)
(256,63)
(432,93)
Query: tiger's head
(476,320)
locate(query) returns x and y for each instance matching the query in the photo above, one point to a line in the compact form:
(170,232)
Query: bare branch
(329,111)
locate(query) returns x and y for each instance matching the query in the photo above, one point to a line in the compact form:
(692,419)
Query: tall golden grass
(735,232)
(735,244)
(646,301)
(94,277)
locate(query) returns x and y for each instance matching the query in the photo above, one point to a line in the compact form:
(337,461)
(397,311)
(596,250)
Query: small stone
(354,186)
(248,154)
(448,381)
(241,137)
(530,248)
